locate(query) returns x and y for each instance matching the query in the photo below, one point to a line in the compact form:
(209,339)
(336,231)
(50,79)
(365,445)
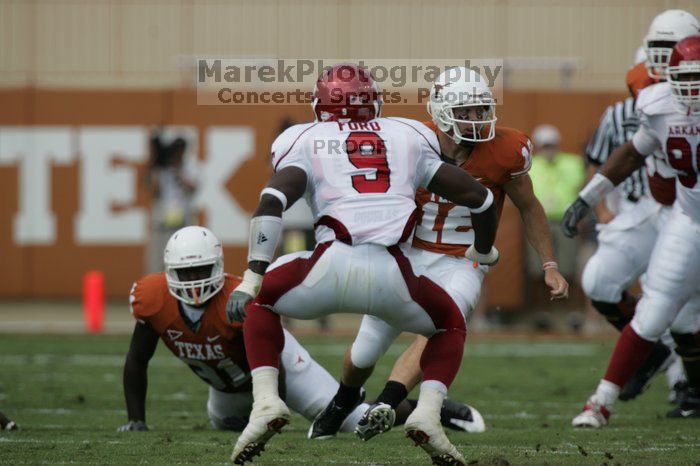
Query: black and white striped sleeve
(602,142)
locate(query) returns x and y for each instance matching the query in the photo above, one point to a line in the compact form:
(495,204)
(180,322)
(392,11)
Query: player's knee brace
(619,313)
(612,313)
(688,348)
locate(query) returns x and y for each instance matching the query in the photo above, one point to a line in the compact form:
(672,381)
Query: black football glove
(574,214)
(133,426)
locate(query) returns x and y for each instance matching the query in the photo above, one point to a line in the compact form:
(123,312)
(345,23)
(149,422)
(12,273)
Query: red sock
(263,336)
(442,355)
(630,353)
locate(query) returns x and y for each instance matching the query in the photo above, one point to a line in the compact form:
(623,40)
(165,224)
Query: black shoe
(378,418)
(640,381)
(689,405)
(328,422)
(676,394)
(459,416)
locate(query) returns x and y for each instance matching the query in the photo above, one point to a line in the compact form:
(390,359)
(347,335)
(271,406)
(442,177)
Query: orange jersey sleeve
(637,79)
(507,156)
(147,295)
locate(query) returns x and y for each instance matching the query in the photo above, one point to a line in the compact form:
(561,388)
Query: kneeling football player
(186,308)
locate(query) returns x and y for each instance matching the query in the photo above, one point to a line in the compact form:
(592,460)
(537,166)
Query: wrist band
(265,232)
(596,189)
(487,203)
(276,193)
(550,265)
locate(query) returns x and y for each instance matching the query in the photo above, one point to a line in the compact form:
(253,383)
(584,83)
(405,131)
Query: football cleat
(677,392)
(426,432)
(594,414)
(459,416)
(689,406)
(267,418)
(6,423)
(328,422)
(660,358)
(378,418)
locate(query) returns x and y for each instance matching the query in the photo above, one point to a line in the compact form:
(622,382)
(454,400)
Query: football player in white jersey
(669,121)
(625,241)
(359,173)
(464,120)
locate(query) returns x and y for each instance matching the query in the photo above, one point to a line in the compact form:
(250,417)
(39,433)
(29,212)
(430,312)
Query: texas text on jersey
(662,182)
(215,351)
(446,228)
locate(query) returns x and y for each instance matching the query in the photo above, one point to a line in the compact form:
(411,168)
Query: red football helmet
(346,92)
(683,74)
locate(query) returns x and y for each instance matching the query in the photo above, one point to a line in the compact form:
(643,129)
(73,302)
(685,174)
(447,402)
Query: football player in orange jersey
(185,307)
(464,118)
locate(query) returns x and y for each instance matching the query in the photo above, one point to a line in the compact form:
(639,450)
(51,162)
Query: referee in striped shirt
(617,126)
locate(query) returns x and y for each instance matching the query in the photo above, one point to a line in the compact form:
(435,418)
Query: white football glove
(484,259)
(133,426)
(242,295)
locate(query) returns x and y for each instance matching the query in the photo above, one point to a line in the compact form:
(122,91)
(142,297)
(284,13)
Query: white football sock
(431,396)
(265,382)
(607,392)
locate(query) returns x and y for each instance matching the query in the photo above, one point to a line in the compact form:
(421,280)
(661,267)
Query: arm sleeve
(288,149)
(145,300)
(523,160)
(645,140)
(600,145)
(429,159)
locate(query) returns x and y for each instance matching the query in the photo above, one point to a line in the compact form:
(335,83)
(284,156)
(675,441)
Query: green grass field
(65,392)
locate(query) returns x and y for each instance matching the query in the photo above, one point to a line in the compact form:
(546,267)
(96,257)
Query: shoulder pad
(656,99)
(284,143)
(148,295)
(427,133)
(514,149)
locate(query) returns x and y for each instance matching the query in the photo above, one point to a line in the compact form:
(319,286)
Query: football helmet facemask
(683,74)
(664,33)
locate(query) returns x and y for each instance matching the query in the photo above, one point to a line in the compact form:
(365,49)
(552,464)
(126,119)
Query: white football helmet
(665,31)
(462,87)
(188,248)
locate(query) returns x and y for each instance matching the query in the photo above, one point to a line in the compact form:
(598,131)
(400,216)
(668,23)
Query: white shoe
(425,430)
(267,418)
(595,414)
